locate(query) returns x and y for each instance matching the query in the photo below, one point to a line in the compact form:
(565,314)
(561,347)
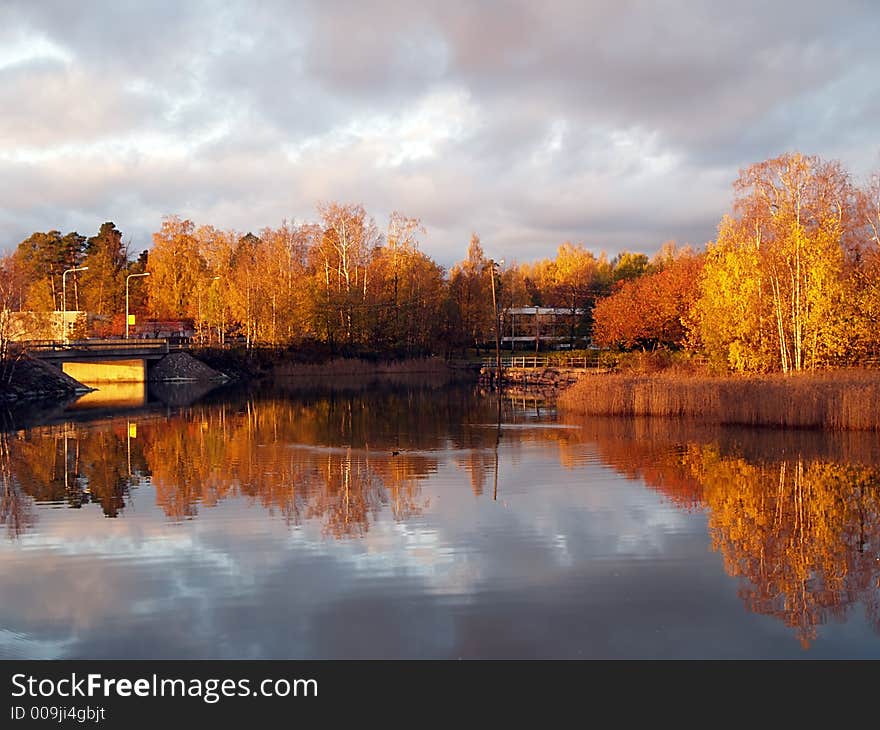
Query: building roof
(544,310)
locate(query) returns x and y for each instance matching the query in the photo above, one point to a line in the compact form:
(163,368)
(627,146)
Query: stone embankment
(34,380)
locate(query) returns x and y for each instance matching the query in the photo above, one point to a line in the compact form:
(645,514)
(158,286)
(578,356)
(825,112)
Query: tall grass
(833,400)
(355,366)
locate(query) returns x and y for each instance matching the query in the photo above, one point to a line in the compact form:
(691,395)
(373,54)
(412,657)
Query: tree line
(340,281)
(791,282)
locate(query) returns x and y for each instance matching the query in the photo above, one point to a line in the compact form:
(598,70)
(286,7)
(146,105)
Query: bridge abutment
(107,371)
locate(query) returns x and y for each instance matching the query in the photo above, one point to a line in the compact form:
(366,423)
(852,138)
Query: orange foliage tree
(650,311)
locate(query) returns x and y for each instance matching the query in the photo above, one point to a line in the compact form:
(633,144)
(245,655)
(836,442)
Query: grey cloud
(621,124)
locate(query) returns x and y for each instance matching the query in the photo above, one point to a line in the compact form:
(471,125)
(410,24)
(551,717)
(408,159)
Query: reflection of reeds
(839,400)
(794,514)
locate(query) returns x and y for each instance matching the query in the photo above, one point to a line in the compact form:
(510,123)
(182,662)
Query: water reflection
(112,395)
(796,515)
(409,494)
(340,460)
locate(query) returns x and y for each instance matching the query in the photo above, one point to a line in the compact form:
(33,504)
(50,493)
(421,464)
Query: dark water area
(414,521)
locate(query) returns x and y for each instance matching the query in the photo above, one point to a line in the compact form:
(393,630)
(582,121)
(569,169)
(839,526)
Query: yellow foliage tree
(774,279)
(177,269)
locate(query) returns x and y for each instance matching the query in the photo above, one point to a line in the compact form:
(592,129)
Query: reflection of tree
(289,458)
(801,531)
(102,464)
(347,495)
(338,460)
(45,463)
(16,507)
(640,449)
(798,532)
(72,465)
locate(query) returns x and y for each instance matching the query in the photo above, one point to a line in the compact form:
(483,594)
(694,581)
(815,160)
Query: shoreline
(37,382)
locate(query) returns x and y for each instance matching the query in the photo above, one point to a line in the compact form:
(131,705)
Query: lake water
(431,523)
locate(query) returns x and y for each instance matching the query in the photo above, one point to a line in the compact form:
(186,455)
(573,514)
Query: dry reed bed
(358,367)
(836,400)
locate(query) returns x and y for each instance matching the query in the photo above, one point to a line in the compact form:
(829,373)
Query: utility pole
(496,327)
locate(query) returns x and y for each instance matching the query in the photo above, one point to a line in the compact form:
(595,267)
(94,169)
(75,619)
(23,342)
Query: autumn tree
(627,266)
(103,285)
(469,286)
(652,311)
(284,263)
(44,257)
(861,302)
(578,277)
(176,268)
(406,290)
(341,260)
(12,285)
(773,280)
(248,298)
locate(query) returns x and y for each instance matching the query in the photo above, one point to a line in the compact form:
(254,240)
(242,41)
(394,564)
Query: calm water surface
(406,522)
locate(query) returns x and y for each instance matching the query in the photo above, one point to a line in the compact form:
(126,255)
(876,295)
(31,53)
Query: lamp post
(492,264)
(130,276)
(64,294)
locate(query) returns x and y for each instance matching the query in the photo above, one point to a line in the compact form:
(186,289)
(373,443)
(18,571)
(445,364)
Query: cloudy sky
(617,124)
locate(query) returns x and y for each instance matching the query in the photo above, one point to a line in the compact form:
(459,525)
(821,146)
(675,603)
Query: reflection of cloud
(142,572)
(24,646)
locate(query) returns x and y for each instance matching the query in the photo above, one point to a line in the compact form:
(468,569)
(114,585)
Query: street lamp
(130,276)
(492,265)
(64,294)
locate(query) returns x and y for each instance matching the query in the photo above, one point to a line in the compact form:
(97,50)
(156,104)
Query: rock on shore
(183,367)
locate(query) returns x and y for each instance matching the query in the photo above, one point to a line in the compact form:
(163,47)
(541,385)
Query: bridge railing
(583,362)
(574,362)
(37,346)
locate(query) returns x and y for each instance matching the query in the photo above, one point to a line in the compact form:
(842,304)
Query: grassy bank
(834,400)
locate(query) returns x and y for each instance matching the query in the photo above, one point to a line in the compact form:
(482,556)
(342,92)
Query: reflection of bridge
(95,361)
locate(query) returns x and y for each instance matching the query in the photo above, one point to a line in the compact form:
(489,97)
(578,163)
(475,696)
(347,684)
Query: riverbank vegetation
(839,400)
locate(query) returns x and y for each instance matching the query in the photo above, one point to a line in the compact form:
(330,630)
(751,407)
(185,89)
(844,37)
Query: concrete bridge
(101,361)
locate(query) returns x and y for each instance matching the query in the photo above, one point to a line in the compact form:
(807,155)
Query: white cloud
(27,48)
